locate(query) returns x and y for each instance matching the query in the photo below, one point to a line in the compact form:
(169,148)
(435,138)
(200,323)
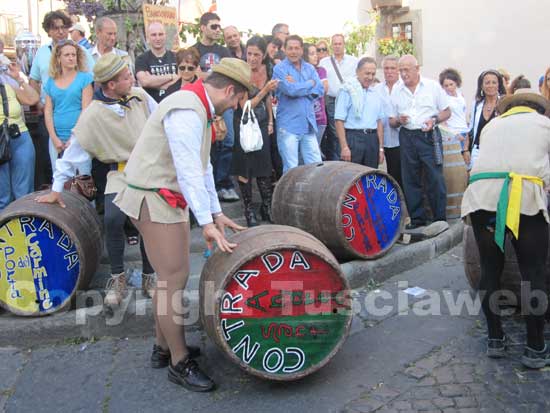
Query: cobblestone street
(400,361)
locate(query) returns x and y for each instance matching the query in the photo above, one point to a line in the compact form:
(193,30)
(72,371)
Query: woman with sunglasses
(490,88)
(68,92)
(322,49)
(257,164)
(312,57)
(187,61)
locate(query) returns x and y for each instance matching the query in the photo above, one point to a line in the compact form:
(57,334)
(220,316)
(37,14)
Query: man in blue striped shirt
(299,86)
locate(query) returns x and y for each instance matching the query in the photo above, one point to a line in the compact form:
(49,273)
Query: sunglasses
(188,68)
(215,27)
(322,49)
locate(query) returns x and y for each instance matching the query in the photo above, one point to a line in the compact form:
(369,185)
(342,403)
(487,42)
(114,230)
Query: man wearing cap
(108,130)
(169,171)
(78,35)
(506,195)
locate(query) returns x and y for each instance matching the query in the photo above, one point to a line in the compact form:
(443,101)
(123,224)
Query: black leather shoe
(415,225)
(160,358)
(188,374)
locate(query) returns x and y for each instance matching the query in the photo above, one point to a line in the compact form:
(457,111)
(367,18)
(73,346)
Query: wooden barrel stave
(253,245)
(66,265)
(314,198)
(456,177)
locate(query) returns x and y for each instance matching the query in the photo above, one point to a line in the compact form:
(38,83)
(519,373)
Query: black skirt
(252,164)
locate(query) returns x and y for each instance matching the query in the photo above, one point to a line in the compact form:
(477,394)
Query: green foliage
(397,47)
(359,36)
(190,32)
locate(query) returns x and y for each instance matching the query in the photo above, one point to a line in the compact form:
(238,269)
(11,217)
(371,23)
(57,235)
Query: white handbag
(251,134)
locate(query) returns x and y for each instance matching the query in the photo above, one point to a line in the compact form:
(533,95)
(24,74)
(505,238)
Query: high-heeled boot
(266,192)
(246,194)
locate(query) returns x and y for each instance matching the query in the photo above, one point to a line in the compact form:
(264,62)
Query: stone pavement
(404,353)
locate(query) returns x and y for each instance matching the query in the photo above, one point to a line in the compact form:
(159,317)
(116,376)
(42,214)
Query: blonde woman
(68,91)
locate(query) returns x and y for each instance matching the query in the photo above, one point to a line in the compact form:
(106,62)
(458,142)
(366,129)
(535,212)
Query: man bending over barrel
(168,170)
(108,130)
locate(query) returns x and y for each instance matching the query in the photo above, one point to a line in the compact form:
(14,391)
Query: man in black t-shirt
(156,69)
(222,152)
(211,53)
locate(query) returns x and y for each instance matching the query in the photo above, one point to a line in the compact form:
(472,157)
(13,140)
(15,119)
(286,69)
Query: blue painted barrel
(47,253)
(356,211)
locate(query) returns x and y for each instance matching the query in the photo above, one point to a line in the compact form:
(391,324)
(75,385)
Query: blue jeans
(290,145)
(222,154)
(17,175)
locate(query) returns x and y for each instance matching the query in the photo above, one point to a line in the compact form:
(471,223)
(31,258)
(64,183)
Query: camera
(13,131)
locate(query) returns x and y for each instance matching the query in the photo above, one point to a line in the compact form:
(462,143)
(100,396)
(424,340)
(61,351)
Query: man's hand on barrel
(212,234)
(222,222)
(51,198)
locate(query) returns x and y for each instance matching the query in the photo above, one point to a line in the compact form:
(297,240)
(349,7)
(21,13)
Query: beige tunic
(113,137)
(517,143)
(151,164)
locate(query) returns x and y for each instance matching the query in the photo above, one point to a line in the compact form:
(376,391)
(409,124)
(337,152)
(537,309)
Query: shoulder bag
(250,132)
(5,151)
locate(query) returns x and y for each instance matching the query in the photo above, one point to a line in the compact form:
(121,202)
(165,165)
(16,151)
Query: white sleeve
(442,98)
(151,103)
(185,144)
(215,206)
(65,168)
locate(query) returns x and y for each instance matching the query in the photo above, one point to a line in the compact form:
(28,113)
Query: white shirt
(197,187)
(121,53)
(75,157)
(457,122)
(347,68)
(428,100)
(391,135)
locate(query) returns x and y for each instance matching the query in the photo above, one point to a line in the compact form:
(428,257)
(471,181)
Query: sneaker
(496,347)
(228,195)
(116,289)
(160,358)
(222,194)
(533,359)
(188,374)
(148,284)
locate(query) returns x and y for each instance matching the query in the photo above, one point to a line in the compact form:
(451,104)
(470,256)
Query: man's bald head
(408,69)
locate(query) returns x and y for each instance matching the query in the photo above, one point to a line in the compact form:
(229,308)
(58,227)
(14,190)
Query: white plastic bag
(251,134)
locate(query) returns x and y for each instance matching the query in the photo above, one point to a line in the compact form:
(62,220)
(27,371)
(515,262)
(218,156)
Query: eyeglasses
(188,68)
(322,49)
(215,27)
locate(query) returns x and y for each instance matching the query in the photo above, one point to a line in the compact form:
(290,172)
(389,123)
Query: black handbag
(5,151)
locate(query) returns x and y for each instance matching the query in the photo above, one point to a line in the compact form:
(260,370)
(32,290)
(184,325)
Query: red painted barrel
(279,305)
(356,211)
(47,253)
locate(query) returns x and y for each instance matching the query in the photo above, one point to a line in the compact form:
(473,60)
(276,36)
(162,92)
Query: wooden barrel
(47,253)
(356,211)
(279,305)
(456,177)
(511,277)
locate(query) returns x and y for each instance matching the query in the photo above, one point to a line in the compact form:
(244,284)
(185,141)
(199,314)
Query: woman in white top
(490,87)
(451,81)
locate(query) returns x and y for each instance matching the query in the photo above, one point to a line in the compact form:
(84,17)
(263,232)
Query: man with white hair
(418,105)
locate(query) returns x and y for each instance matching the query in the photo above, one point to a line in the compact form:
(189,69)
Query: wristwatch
(381,149)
